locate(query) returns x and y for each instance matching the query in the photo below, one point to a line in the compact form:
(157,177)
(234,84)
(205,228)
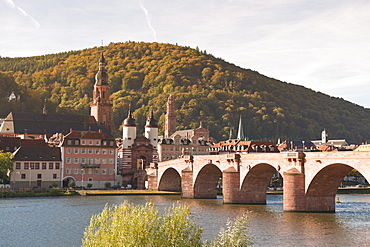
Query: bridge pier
(187,183)
(294,191)
(230,186)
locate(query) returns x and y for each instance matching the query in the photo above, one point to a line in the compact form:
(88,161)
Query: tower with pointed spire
(170,121)
(128,130)
(151,132)
(240,135)
(128,139)
(101,108)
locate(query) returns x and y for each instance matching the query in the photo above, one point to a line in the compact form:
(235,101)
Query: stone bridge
(310,179)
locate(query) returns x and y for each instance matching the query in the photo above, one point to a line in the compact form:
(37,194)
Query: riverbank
(124,192)
(37,193)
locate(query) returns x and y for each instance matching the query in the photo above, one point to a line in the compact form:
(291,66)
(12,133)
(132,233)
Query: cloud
(12,5)
(148,19)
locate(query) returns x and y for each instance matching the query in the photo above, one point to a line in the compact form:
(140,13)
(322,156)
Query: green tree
(6,165)
(142,225)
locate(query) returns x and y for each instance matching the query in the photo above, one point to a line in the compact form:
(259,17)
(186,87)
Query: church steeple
(240,130)
(101,77)
(101,108)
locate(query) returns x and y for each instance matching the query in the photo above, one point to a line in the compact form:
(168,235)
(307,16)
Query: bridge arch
(255,183)
(205,185)
(170,181)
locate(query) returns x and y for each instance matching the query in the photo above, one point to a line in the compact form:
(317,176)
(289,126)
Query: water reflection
(61,221)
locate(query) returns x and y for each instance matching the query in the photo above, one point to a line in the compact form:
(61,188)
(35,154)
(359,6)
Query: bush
(143,225)
(107,185)
(54,185)
(55,192)
(71,184)
(89,186)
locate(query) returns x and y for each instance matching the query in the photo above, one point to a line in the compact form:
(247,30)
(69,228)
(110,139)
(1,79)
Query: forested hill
(206,89)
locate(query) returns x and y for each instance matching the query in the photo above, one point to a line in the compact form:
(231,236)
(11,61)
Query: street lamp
(82,181)
(29,168)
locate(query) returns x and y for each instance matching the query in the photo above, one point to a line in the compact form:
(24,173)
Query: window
(83,142)
(32,165)
(39,176)
(23,176)
(76,171)
(96,171)
(97,161)
(104,151)
(83,150)
(97,151)
(76,160)
(91,161)
(104,171)
(110,171)
(69,160)
(111,143)
(76,151)
(57,165)
(17,165)
(83,160)
(90,179)
(69,150)
(68,171)
(97,143)
(111,151)
(69,142)
(77,142)
(43,166)
(90,151)
(90,143)
(104,161)
(51,166)
(111,161)
(37,166)
(105,143)
(55,176)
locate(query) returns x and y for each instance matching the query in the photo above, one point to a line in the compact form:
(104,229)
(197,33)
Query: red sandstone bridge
(310,180)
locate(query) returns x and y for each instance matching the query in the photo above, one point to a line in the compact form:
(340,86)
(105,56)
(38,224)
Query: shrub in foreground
(142,225)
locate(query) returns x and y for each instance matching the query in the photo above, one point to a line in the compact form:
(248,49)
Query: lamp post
(29,168)
(82,181)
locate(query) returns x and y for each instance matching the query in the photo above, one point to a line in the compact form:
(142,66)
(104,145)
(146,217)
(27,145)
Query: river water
(60,221)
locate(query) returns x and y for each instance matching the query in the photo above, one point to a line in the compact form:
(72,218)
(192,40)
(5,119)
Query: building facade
(36,166)
(89,157)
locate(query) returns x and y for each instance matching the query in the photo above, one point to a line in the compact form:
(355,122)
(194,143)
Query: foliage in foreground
(142,225)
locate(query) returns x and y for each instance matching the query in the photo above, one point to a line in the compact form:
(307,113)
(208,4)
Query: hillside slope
(206,89)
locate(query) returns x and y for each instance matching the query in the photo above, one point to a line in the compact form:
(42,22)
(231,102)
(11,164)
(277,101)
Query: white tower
(324,135)
(129,131)
(151,129)
(151,132)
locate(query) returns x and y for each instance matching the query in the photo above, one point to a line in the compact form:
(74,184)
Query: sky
(323,45)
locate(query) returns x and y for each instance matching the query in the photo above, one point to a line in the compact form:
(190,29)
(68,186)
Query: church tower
(101,108)
(170,125)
